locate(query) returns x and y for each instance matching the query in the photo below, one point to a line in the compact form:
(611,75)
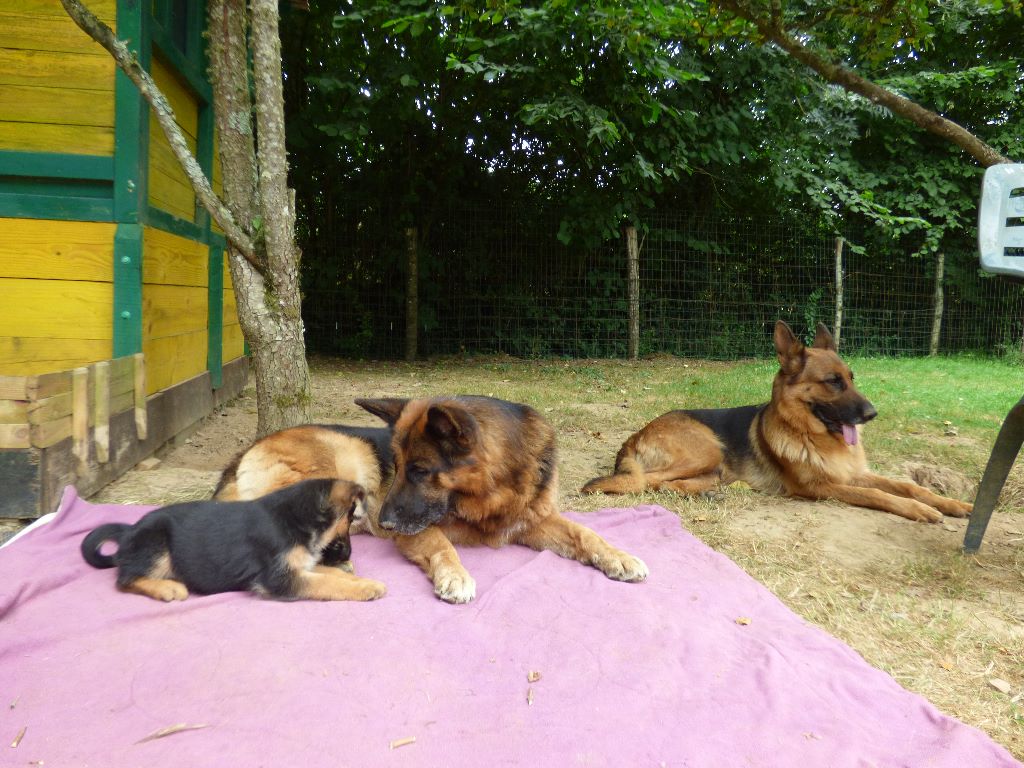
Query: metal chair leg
(1004,453)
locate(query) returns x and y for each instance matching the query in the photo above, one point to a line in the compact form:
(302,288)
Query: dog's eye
(415,473)
(836,382)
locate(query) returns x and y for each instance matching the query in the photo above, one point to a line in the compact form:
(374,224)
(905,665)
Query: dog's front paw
(369,589)
(921,513)
(624,567)
(454,586)
(955,508)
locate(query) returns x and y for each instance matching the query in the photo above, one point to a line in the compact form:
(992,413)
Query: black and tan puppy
(476,470)
(805,442)
(361,455)
(271,546)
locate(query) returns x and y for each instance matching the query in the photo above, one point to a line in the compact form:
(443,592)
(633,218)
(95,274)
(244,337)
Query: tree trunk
(940,266)
(256,193)
(633,292)
(837,331)
(412,304)
(280,366)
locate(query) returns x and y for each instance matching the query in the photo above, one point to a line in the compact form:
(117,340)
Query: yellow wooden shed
(118,327)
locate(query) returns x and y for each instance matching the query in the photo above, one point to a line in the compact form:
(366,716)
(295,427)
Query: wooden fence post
(139,385)
(411,292)
(80,419)
(101,412)
(633,291)
(837,331)
(940,267)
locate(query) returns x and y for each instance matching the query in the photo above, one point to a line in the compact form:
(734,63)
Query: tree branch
(129,64)
(772,29)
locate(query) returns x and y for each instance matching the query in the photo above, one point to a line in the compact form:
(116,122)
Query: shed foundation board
(34,479)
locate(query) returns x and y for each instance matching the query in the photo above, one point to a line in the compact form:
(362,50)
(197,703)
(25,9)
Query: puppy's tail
(629,477)
(91,544)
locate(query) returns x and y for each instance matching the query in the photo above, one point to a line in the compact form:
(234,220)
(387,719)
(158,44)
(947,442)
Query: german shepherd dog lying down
(476,470)
(361,455)
(805,442)
(270,546)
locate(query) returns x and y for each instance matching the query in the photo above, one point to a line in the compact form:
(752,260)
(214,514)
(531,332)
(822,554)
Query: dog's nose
(867,412)
(389,518)
(344,549)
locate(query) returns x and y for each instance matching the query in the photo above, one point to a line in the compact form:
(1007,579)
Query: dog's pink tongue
(850,434)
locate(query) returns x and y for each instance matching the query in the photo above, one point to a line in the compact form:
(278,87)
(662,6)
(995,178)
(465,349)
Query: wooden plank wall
(169,189)
(234,344)
(56,85)
(174,307)
(56,280)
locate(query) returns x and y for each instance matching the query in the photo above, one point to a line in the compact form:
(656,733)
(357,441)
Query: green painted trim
(56,165)
(204,156)
(56,188)
(215,317)
(22,206)
(197,26)
(127,317)
(65,199)
(190,69)
(161,219)
(131,118)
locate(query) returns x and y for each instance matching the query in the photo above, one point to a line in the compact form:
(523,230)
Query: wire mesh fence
(491,281)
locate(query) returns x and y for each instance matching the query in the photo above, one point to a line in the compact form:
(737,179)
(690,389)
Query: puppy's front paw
(623,567)
(171,591)
(454,585)
(369,589)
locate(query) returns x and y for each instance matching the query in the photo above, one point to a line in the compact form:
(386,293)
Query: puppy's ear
(788,348)
(386,408)
(452,427)
(823,339)
(345,496)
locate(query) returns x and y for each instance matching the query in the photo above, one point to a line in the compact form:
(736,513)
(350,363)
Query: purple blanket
(665,673)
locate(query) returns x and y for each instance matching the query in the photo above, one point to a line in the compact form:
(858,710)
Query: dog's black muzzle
(834,415)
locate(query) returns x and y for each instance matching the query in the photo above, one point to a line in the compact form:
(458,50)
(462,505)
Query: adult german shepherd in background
(804,442)
(476,470)
(361,455)
(271,546)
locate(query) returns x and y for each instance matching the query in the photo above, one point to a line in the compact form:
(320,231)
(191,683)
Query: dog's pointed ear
(451,426)
(789,349)
(823,339)
(386,408)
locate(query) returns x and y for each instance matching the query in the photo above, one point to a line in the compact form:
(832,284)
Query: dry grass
(899,593)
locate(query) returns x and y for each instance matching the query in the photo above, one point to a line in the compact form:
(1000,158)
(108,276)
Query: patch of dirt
(898,592)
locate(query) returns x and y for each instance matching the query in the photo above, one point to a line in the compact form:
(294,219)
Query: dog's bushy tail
(227,486)
(91,544)
(628,478)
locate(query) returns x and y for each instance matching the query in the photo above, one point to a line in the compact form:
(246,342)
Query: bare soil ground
(900,593)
